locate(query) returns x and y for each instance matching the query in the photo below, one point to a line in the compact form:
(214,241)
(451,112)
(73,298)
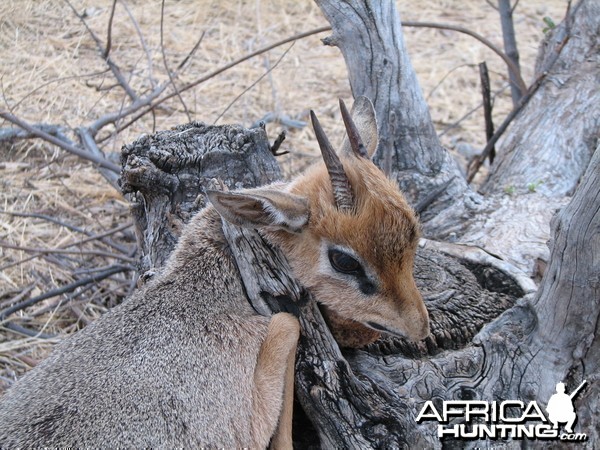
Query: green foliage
(550,25)
(532,187)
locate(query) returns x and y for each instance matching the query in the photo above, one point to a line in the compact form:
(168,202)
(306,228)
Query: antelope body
(187,362)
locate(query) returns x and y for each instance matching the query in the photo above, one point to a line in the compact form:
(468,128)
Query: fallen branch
(478,161)
(71,148)
(513,69)
(105,51)
(59,291)
(61,251)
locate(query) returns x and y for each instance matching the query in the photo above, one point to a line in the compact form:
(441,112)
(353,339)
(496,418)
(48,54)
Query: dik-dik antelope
(186,361)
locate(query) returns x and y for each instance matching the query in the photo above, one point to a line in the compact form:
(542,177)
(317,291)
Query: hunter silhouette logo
(560,407)
(508,419)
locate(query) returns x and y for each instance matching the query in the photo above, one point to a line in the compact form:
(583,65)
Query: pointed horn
(342,192)
(353,136)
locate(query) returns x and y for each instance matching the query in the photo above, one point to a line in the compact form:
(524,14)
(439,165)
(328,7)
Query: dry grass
(51,73)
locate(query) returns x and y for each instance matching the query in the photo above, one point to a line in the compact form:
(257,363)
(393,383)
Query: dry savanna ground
(61,222)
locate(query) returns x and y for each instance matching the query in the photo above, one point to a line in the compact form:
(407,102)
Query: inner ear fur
(260,208)
(363,115)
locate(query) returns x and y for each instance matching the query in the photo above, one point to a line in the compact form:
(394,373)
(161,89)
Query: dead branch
(487,106)
(269,70)
(216,72)
(63,289)
(67,146)
(27,331)
(512,68)
(109,31)
(164,57)
(104,52)
(143,44)
(101,237)
(510,46)
(61,251)
(478,162)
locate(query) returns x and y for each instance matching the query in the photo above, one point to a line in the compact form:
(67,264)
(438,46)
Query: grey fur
(172,366)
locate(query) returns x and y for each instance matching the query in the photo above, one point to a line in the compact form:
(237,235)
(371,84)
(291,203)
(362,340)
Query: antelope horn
(353,135)
(342,192)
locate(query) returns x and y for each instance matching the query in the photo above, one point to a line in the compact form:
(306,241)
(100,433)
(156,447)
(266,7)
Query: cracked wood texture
(465,288)
(492,337)
(369,35)
(551,141)
(166,173)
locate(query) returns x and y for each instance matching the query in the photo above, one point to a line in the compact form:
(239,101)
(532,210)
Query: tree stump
(493,336)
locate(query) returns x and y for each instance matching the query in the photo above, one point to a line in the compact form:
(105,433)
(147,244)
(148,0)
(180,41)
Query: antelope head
(348,233)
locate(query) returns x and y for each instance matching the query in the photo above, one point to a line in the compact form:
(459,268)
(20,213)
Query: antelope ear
(363,115)
(262,208)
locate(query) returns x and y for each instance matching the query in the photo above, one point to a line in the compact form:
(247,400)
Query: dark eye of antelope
(344,263)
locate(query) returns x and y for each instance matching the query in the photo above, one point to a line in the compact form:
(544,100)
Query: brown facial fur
(382,230)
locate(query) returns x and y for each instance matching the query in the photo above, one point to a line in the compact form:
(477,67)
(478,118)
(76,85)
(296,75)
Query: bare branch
(61,251)
(11,134)
(191,53)
(67,288)
(510,47)
(487,106)
(27,331)
(109,32)
(102,162)
(471,111)
(89,143)
(138,30)
(128,110)
(223,69)
(255,83)
(111,64)
(164,56)
(478,162)
(56,80)
(444,26)
(102,236)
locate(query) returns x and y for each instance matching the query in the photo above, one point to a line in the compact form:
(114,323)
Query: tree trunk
(493,337)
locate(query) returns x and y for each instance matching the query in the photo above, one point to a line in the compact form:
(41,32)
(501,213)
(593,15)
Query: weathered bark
(552,149)
(542,150)
(409,149)
(167,173)
(547,149)
(465,288)
(370,398)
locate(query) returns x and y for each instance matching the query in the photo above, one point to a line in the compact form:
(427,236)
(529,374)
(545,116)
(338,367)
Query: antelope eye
(343,262)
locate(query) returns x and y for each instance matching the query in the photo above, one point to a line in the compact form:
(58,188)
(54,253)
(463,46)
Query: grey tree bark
(493,337)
